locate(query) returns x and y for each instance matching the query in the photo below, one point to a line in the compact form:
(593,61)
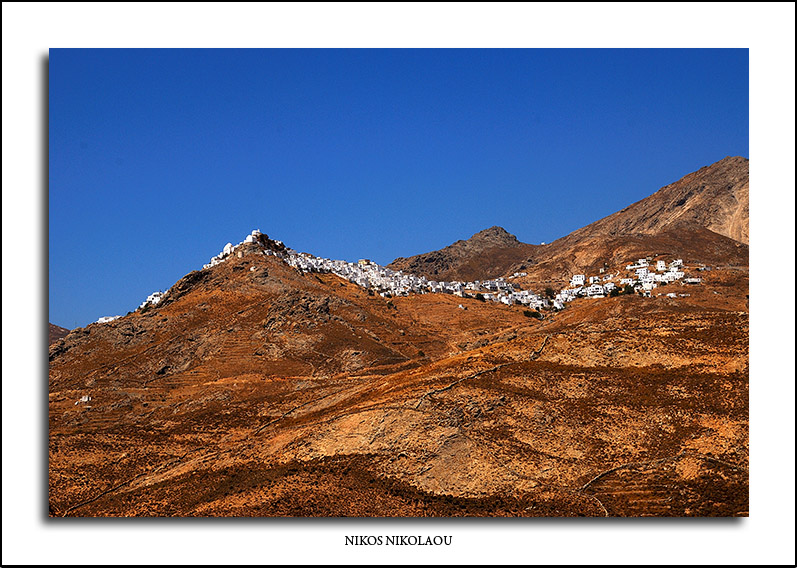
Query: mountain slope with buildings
(272,383)
(707,211)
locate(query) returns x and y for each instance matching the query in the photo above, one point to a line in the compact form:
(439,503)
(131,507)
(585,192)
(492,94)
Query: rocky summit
(605,374)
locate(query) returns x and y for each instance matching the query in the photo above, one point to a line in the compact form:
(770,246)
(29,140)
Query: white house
(153,299)
(641,263)
(661,266)
(578,280)
(595,291)
(672,275)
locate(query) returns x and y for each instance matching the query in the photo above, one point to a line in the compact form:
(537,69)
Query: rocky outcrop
(57,333)
(487,253)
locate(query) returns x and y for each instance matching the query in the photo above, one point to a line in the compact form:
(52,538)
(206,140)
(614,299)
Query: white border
(767,29)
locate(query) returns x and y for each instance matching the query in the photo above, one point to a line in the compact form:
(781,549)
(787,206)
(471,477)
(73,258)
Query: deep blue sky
(157,158)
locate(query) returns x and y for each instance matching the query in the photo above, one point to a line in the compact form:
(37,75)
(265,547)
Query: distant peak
(497,235)
(733,160)
(728,161)
(494,231)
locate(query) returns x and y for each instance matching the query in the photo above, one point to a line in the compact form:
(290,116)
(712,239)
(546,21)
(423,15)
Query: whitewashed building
(153,299)
(596,291)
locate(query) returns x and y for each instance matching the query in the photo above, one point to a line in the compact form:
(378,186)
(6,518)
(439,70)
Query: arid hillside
(716,197)
(487,253)
(255,390)
(588,255)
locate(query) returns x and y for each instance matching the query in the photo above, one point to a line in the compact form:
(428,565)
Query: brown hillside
(587,255)
(488,253)
(255,390)
(715,197)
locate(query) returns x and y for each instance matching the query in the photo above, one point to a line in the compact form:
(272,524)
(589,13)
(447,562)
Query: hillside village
(641,277)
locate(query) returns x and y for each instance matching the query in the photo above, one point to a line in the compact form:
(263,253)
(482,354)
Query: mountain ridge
(260,387)
(714,198)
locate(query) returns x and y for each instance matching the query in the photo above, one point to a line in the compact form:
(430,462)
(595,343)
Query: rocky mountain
(715,197)
(487,253)
(57,333)
(254,389)
(705,214)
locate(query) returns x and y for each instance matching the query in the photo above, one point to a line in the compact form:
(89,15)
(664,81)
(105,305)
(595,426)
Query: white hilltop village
(642,278)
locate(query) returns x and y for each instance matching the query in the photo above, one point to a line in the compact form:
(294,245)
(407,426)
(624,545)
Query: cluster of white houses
(388,283)
(645,278)
(152,299)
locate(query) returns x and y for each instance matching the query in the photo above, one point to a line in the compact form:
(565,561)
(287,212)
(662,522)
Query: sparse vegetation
(532,314)
(480,297)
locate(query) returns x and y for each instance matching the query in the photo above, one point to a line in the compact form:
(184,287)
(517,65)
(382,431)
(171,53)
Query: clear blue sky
(157,158)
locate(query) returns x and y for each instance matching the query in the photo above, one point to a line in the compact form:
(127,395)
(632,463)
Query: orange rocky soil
(255,390)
